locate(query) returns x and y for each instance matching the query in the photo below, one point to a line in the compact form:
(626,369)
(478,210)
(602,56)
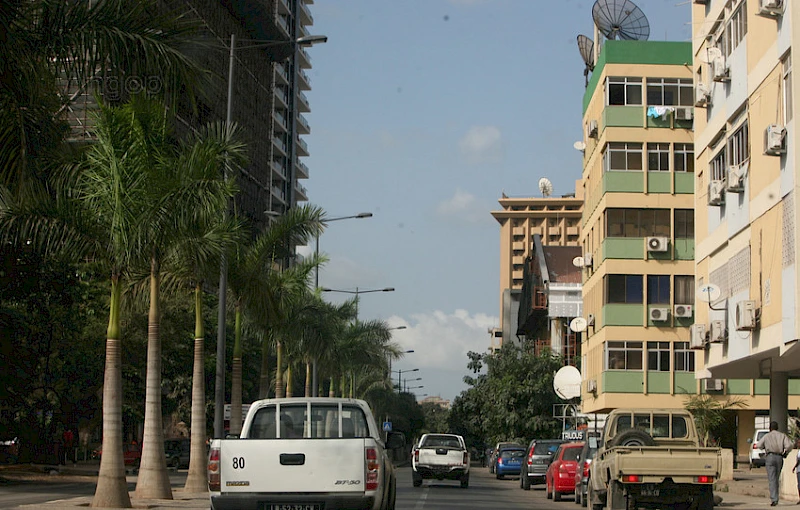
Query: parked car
(131,454)
(582,472)
(757,455)
(493,455)
(177,452)
(560,476)
(537,458)
(509,461)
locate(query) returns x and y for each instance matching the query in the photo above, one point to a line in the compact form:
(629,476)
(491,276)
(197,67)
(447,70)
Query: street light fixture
(219,389)
(357,292)
(328,220)
(400,374)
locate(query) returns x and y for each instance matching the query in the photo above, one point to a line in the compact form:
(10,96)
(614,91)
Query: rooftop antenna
(546,187)
(586,47)
(620,19)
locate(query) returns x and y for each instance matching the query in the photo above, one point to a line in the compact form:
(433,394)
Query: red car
(560,476)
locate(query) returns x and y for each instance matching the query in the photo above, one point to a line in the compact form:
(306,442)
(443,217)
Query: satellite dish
(578,324)
(708,293)
(620,19)
(545,186)
(586,47)
(567,383)
(578,262)
(579,146)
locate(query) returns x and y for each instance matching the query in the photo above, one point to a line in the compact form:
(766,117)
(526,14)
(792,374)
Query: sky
(423,112)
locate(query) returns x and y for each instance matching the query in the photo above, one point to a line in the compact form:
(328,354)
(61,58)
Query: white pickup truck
(304,454)
(440,457)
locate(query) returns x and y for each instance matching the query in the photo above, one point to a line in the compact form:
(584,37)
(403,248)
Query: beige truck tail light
(213,470)
(373,469)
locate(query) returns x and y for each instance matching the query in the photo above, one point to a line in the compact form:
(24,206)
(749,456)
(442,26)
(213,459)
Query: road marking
(421,502)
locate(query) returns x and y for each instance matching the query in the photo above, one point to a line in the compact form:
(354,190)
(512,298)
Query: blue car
(509,461)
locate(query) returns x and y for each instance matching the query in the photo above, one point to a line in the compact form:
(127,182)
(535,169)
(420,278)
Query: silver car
(537,458)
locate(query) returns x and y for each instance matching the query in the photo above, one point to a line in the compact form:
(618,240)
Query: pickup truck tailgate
(292,465)
(440,457)
(673,462)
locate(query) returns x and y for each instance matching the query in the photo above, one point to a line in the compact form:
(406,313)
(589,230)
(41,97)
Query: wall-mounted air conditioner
(716,192)
(702,95)
(684,113)
(712,384)
(745,315)
(735,179)
(774,137)
(591,385)
(659,314)
(719,65)
(657,244)
(683,310)
(591,129)
(770,8)
(587,260)
(717,332)
(699,336)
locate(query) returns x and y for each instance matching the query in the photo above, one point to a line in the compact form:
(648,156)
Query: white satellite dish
(578,324)
(545,186)
(578,262)
(567,383)
(579,146)
(708,293)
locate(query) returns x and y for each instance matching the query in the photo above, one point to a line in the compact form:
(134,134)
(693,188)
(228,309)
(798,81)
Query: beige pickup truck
(652,458)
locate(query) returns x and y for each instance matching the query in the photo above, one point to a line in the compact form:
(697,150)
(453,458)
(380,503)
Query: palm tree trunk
(279,393)
(332,388)
(263,378)
(289,386)
(112,488)
(197,479)
(308,379)
(236,374)
(153,481)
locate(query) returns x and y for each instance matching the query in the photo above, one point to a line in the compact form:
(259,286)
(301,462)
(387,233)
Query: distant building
(445,404)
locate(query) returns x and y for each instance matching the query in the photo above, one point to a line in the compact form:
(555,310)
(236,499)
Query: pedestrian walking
(777,446)
(796,465)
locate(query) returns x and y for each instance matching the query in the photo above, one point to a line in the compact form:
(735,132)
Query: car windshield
(571,453)
(545,448)
(512,454)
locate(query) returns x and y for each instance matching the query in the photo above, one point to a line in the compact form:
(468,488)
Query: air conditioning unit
(735,180)
(591,129)
(712,384)
(699,336)
(657,244)
(774,137)
(683,310)
(745,315)
(719,66)
(717,333)
(587,260)
(684,113)
(659,314)
(702,95)
(770,8)
(716,192)
(591,385)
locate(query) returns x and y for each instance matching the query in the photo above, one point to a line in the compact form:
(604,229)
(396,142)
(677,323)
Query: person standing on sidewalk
(777,445)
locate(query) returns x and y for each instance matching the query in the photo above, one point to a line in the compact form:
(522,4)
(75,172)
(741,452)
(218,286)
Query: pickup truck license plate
(293,506)
(650,490)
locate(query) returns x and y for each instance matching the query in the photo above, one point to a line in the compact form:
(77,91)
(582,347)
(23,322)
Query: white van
(757,455)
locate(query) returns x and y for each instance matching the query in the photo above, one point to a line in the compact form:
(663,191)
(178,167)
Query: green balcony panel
(623,182)
(794,386)
(738,386)
(622,381)
(685,383)
(658,382)
(683,322)
(684,124)
(659,182)
(622,314)
(623,116)
(684,183)
(623,248)
(761,387)
(659,122)
(684,249)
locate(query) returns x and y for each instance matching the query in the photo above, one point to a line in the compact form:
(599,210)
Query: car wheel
(584,500)
(499,476)
(416,479)
(465,481)
(526,482)
(556,495)
(577,496)
(547,493)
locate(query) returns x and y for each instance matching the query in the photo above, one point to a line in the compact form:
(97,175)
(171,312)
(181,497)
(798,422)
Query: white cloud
(441,342)
(482,145)
(464,208)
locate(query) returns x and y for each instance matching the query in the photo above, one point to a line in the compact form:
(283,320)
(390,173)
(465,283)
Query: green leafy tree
(436,417)
(709,413)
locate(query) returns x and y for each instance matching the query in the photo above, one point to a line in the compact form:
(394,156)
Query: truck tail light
(213,470)
(755,447)
(704,479)
(416,455)
(373,468)
(466,458)
(632,478)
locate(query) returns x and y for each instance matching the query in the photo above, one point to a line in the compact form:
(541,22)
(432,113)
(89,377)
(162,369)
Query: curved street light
(328,220)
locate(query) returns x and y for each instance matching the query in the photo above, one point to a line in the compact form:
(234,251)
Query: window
(670,92)
(637,222)
(684,223)
(624,91)
(788,106)
(735,29)
(623,156)
(684,357)
(717,167)
(624,356)
(684,290)
(658,157)
(684,157)
(658,356)
(623,288)
(739,145)
(658,289)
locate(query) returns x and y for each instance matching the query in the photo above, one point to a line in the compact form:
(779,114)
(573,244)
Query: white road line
(421,502)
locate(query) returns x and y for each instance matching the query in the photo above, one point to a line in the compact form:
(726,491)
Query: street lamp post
(405,383)
(399,377)
(328,220)
(357,292)
(219,389)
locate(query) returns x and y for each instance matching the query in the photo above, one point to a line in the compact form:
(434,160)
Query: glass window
(670,92)
(624,91)
(624,355)
(718,169)
(788,106)
(622,288)
(571,453)
(658,157)
(660,425)
(739,146)
(637,222)
(684,358)
(684,157)
(684,223)
(679,428)
(658,289)
(684,289)
(658,357)
(621,156)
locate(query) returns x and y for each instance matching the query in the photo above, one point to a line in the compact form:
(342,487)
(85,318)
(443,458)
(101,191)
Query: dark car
(582,473)
(537,458)
(177,452)
(509,461)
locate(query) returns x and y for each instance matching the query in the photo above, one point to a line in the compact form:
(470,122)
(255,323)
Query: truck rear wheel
(416,479)
(593,499)
(465,481)
(705,501)
(615,499)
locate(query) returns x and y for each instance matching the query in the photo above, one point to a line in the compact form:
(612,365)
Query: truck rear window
(441,441)
(657,425)
(308,421)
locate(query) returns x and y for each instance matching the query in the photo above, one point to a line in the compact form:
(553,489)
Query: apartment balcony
(300,193)
(303,127)
(518,245)
(518,231)
(301,170)
(302,147)
(554,231)
(283,7)
(279,145)
(518,259)
(305,14)
(278,193)
(283,25)
(302,102)
(304,82)
(305,58)
(517,275)
(573,231)
(281,97)
(279,121)
(278,170)
(281,78)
